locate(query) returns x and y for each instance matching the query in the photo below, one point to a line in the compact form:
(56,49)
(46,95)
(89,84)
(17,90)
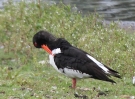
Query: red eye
(35,44)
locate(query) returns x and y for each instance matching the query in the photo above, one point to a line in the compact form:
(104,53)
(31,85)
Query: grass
(23,77)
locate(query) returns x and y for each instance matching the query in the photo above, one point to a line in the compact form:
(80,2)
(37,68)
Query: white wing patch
(74,73)
(98,63)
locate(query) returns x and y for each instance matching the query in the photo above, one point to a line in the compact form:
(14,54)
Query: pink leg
(73,83)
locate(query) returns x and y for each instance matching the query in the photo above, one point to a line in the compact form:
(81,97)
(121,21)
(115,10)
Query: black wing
(76,59)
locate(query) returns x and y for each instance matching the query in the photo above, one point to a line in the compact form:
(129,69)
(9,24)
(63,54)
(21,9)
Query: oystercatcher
(71,61)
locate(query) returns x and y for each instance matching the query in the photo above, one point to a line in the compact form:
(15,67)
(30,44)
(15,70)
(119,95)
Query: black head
(42,37)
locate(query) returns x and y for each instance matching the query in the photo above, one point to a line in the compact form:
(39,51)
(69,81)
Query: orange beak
(47,49)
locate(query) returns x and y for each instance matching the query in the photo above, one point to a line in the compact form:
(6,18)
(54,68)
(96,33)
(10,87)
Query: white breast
(51,61)
(51,58)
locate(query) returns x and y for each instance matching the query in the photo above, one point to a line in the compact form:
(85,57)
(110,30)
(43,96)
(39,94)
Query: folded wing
(76,63)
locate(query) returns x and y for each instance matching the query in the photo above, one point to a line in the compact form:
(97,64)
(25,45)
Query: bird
(72,61)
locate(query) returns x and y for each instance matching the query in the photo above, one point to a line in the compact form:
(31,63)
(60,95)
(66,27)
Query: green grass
(21,75)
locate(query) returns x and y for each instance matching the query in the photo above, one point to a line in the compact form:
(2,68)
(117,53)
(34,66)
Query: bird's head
(43,39)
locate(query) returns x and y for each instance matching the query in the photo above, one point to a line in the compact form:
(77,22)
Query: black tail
(113,72)
(100,75)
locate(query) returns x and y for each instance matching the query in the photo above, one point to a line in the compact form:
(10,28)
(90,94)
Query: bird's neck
(59,45)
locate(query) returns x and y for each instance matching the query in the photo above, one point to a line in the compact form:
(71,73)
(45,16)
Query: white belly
(75,73)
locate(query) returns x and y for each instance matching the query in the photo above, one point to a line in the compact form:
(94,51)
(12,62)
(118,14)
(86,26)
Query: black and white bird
(71,61)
